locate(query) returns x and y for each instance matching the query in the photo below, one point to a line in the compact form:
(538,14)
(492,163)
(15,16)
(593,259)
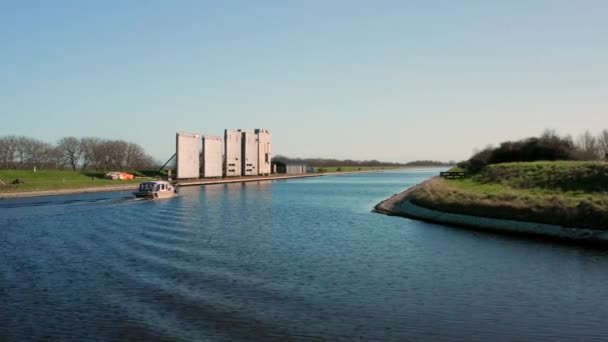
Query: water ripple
(289,260)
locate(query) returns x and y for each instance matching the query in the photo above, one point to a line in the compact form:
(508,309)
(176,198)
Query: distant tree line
(429,163)
(550,146)
(321,162)
(91,153)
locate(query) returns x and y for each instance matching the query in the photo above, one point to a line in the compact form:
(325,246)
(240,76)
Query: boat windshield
(148,187)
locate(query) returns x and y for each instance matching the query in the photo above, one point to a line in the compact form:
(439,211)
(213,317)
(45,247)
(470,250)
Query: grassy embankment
(570,194)
(54,180)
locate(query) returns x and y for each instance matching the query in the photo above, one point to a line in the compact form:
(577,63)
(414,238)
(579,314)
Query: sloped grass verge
(568,194)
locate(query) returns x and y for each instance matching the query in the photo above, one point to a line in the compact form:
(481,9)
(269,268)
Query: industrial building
(212,157)
(264,151)
(250,155)
(187,147)
(232,152)
(242,154)
(291,169)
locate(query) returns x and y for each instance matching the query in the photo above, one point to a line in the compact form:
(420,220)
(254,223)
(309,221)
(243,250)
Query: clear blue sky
(390,80)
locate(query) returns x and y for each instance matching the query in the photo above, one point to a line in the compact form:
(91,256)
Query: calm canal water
(300,259)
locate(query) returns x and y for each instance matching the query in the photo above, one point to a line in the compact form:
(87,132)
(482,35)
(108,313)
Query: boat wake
(46,203)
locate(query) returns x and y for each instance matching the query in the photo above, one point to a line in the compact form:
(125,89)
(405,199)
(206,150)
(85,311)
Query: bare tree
(588,146)
(22,151)
(133,155)
(40,154)
(136,158)
(19,152)
(112,155)
(602,140)
(87,148)
(115,154)
(549,134)
(108,154)
(100,155)
(71,150)
(8,150)
(55,158)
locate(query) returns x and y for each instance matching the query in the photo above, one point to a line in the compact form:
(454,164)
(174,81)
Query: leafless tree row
(593,147)
(22,152)
(18,152)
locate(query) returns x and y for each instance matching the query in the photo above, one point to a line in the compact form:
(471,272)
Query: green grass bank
(51,180)
(566,194)
(56,180)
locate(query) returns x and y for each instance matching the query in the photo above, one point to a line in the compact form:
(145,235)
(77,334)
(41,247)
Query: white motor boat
(156,189)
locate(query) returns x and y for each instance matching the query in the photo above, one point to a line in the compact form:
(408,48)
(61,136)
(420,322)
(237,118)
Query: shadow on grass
(99,175)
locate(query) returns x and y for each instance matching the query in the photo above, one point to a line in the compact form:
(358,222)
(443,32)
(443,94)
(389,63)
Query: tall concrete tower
(232,152)
(250,154)
(264,151)
(187,149)
(212,157)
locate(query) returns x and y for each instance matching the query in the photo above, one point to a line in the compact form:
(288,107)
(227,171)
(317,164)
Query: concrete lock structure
(244,154)
(294,169)
(290,169)
(232,152)
(250,154)
(264,151)
(187,147)
(212,157)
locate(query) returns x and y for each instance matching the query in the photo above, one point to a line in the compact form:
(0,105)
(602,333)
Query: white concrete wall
(212,157)
(250,154)
(232,152)
(187,146)
(264,151)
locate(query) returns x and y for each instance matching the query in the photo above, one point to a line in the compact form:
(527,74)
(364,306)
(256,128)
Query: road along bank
(401,205)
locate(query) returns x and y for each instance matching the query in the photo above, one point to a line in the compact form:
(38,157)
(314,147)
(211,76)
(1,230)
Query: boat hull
(154,194)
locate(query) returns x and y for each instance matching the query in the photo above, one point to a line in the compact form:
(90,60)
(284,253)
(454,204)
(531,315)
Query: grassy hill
(560,175)
(571,194)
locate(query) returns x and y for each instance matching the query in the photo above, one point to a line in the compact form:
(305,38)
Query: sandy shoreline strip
(197,182)
(401,205)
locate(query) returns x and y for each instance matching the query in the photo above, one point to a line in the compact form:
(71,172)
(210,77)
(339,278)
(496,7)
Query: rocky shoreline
(401,205)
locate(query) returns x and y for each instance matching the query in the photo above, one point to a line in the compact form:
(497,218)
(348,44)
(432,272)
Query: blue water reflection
(300,259)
